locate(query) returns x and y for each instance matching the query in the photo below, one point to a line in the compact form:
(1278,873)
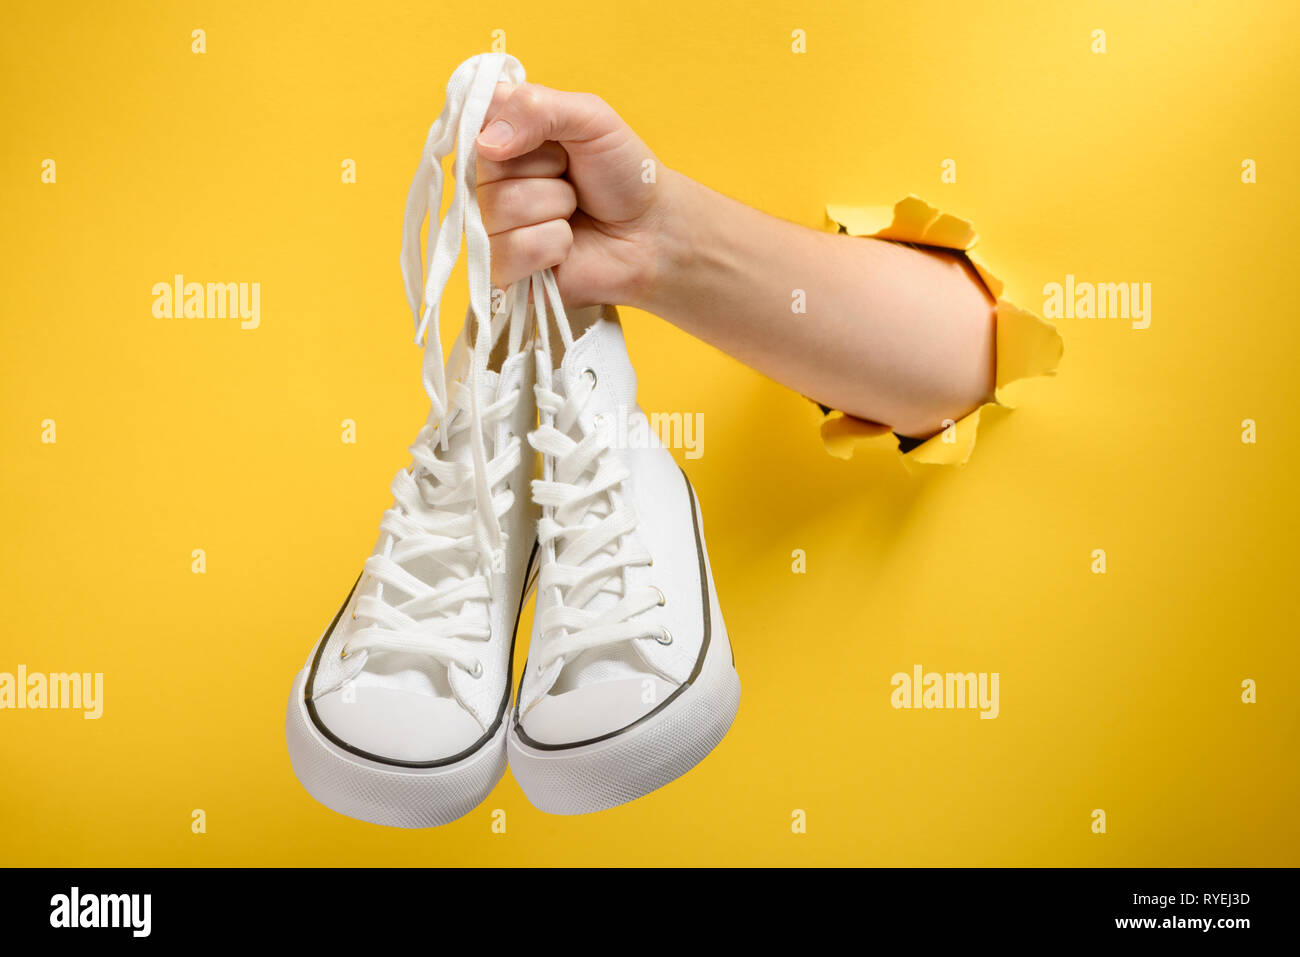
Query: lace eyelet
(666,638)
(592,373)
(343,654)
(478,670)
(663,599)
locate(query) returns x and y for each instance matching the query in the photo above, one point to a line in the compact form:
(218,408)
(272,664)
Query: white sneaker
(399,716)
(630,680)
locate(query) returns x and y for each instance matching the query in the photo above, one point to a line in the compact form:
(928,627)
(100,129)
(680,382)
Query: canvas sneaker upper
(619,623)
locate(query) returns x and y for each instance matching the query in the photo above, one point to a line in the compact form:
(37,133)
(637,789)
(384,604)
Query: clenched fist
(563,182)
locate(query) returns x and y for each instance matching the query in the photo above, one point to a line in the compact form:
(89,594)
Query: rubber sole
(383,794)
(630,765)
(644,757)
(650,753)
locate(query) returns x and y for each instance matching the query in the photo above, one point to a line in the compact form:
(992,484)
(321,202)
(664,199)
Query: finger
(521,252)
(549,159)
(512,203)
(533,114)
(499,97)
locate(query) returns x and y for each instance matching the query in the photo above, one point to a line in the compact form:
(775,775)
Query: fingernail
(498,134)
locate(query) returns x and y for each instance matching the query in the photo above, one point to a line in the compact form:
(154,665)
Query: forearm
(900,336)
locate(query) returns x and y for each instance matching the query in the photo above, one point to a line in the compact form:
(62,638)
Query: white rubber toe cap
(594,710)
(398,725)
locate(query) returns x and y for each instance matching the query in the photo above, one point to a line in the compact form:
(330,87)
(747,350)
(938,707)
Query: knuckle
(597,108)
(527,247)
(511,195)
(567,197)
(526,99)
(546,244)
(489,203)
(561,242)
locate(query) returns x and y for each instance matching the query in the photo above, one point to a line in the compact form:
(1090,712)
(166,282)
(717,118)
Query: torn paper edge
(1027,346)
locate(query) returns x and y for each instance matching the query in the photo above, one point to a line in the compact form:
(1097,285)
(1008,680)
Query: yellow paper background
(1119,692)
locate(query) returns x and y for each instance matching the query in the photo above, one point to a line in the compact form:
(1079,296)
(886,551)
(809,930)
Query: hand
(562,183)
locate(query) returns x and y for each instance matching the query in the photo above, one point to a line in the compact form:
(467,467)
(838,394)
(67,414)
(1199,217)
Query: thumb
(528,115)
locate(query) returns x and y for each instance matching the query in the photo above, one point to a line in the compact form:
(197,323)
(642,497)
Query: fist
(564,183)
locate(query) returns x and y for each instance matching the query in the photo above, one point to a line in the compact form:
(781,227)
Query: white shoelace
(447,514)
(587,526)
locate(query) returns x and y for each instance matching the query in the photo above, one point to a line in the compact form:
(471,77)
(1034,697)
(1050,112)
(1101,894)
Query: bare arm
(891,333)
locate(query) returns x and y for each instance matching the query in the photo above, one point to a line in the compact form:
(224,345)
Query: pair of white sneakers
(403,713)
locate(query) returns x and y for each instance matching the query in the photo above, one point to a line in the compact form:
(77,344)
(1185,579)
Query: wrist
(669,243)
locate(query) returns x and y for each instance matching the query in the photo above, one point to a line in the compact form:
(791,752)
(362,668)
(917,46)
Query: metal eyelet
(592,373)
(666,638)
(478,670)
(343,654)
(663,600)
